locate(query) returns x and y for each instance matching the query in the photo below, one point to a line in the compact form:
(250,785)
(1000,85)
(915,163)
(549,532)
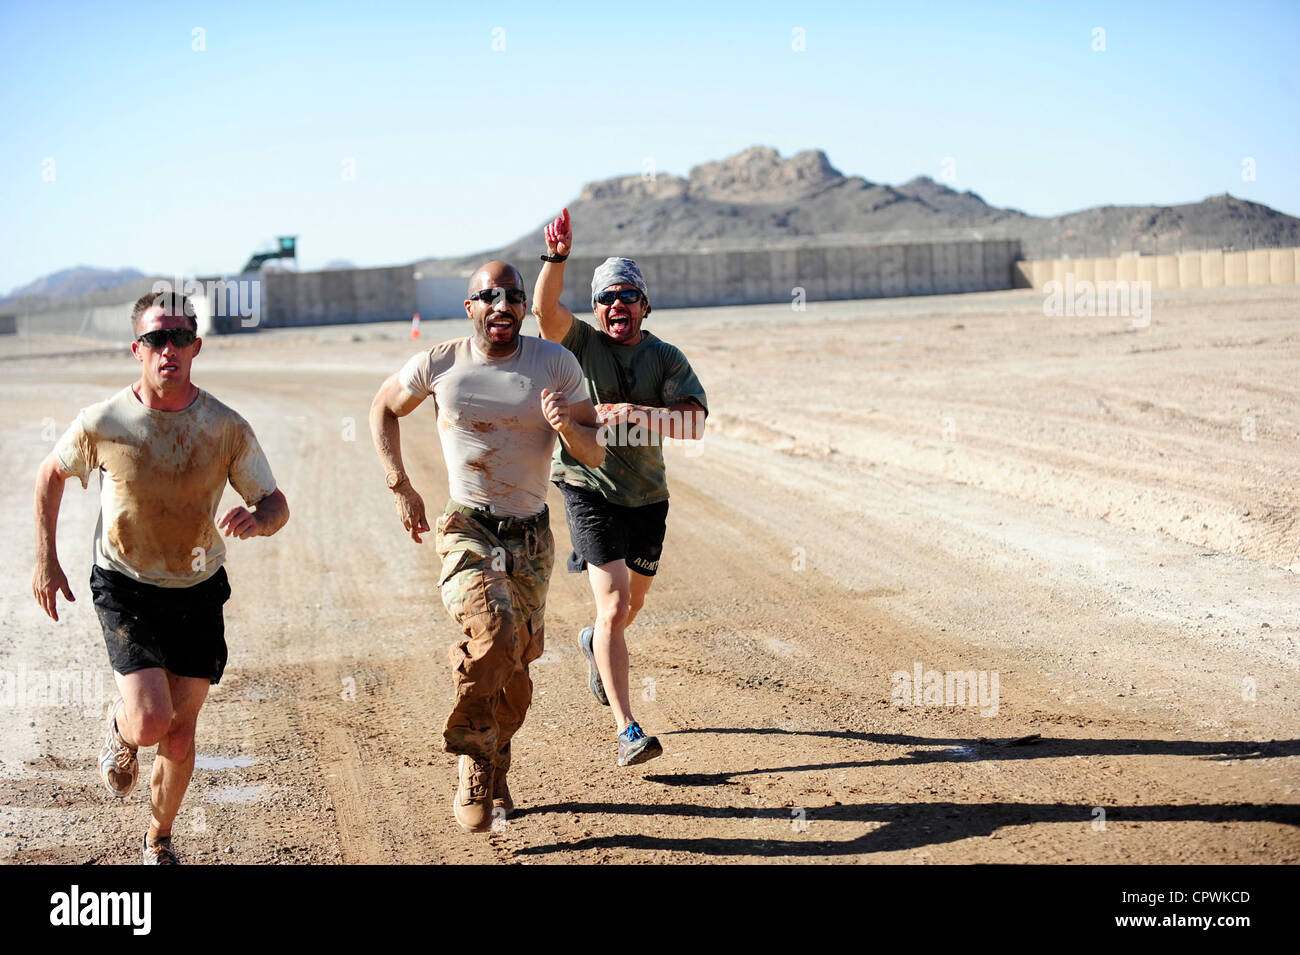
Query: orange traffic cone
(415,325)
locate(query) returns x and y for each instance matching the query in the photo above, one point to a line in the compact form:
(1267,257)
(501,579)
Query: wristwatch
(395,479)
(553,258)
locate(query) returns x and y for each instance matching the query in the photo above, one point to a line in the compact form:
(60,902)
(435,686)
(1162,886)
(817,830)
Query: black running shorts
(602,532)
(180,629)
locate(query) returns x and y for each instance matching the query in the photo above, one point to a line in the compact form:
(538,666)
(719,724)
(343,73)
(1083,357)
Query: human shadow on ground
(966,750)
(902,826)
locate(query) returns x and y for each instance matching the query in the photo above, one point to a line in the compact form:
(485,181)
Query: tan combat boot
(502,803)
(472,805)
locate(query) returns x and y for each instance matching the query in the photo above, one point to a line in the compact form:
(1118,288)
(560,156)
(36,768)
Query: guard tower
(287,250)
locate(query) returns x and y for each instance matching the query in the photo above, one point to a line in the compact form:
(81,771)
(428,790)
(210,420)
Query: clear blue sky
(172,160)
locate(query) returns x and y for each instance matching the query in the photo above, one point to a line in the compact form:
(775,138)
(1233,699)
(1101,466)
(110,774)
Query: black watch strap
(553,258)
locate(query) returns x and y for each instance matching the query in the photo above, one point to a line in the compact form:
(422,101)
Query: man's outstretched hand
(559,235)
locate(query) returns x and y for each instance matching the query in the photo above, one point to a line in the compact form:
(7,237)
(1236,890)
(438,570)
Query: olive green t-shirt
(652,373)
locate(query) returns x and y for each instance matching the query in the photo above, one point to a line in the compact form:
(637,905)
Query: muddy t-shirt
(652,373)
(163,473)
(495,439)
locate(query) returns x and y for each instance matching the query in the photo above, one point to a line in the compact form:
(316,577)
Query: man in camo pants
(501,399)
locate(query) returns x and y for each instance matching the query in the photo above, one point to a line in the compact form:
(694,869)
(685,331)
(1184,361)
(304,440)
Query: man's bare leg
(611,586)
(146,709)
(640,584)
(174,764)
(162,708)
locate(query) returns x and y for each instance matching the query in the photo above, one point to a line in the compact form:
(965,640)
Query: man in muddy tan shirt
(165,451)
(500,399)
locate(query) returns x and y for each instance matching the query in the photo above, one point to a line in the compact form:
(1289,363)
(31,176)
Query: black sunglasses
(627,296)
(180,337)
(515,296)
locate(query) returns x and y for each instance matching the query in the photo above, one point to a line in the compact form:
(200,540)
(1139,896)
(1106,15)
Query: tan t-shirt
(496,441)
(163,476)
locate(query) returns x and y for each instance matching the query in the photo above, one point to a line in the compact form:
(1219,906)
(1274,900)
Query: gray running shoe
(585,639)
(635,747)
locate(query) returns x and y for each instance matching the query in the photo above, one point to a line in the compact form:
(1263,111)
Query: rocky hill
(756,198)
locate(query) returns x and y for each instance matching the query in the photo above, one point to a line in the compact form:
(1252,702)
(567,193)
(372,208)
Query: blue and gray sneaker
(585,640)
(635,747)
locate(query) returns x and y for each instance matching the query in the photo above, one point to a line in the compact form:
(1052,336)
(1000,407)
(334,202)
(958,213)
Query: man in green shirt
(643,389)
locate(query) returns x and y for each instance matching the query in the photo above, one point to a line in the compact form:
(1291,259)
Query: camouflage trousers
(493,583)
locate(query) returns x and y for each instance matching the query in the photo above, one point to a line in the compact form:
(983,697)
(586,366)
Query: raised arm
(553,319)
(49,579)
(393,402)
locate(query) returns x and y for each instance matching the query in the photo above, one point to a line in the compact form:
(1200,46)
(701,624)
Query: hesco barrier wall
(108,323)
(824,274)
(757,277)
(1185,270)
(683,280)
(337,297)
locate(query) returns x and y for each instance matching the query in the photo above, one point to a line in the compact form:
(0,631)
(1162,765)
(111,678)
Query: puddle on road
(223,762)
(234,794)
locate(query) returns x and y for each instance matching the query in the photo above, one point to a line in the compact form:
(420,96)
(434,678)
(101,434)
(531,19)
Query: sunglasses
(515,296)
(627,296)
(180,337)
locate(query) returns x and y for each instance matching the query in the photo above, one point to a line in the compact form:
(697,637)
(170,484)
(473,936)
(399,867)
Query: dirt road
(1097,522)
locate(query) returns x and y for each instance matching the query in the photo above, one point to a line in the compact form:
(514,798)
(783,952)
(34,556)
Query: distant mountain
(758,199)
(71,283)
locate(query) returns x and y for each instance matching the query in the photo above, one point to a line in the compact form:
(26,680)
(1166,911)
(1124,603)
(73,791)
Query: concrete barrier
(729,281)
(1234,268)
(337,296)
(970,267)
(1257,267)
(1211,269)
(893,270)
(1085,270)
(866,272)
(999,264)
(1281,266)
(107,323)
(808,273)
(945,268)
(1185,270)
(760,284)
(839,273)
(1061,268)
(919,264)
(750,277)
(440,296)
(1166,271)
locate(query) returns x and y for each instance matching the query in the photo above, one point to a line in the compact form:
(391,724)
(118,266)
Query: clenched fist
(556,409)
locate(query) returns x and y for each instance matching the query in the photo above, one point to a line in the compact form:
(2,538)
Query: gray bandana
(616,271)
